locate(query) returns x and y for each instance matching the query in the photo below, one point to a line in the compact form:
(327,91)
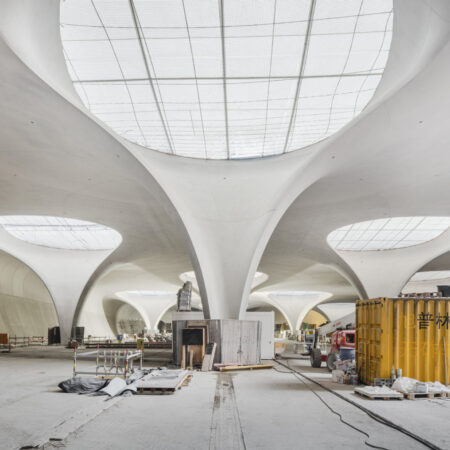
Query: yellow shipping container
(408,334)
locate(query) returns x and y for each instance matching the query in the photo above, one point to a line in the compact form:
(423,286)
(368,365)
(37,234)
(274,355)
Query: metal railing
(115,363)
(26,341)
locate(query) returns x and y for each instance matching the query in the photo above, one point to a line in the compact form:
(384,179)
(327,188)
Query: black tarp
(83,385)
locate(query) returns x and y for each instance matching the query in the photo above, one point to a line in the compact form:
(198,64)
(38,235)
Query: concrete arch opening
(26,306)
(123,318)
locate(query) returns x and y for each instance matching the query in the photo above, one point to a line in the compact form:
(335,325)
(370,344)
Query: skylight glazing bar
(284,22)
(196,79)
(142,42)
(262,78)
(343,69)
(300,75)
(374,61)
(270,74)
(121,70)
(195,38)
(224,74)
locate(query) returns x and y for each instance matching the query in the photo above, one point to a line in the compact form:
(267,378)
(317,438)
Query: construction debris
(412,388)
(146,381)
(117,386)
(404,387)
(345,372)
(82,385)
(378,393)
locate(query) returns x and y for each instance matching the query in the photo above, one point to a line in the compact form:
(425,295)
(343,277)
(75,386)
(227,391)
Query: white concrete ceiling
(224,219)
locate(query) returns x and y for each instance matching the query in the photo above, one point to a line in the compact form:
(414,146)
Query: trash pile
(99,386)
(146,381)
(413,386)
(404,387)
(345,372)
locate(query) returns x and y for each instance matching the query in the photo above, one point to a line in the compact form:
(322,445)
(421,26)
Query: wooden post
(191,359)
(183,357)
(74,361)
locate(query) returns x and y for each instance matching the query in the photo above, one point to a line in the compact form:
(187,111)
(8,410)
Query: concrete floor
(246,410)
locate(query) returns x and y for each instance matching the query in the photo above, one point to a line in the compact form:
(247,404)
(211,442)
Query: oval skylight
(430,275)
(226,79)
(60,232)
(387,234)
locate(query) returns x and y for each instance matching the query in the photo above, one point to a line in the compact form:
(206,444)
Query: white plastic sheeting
(226,79)
(60,232)
(389,233)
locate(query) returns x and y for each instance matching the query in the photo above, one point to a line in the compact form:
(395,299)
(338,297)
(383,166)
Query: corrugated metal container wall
(408,334)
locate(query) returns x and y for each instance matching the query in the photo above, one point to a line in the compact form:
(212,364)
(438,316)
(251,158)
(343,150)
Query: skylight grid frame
(60,232)
(148,63)
(430,275)
(388,234)
(254,26)
(120,68)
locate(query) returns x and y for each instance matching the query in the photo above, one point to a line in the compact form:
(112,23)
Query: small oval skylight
(387,234)
(61,232)
(430,275)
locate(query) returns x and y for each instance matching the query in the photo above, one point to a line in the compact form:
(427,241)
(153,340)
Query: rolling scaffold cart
(109,363)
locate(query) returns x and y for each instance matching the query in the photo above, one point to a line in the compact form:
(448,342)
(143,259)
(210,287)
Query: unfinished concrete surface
(250,224)
(263,409)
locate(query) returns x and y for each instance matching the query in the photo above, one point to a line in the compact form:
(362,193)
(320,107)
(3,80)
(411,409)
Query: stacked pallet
(417,395)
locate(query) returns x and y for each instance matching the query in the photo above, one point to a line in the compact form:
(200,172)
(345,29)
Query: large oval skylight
(226,79)
(59,232)
(386,234)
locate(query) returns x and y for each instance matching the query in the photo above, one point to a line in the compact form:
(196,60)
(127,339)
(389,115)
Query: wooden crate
(238,341)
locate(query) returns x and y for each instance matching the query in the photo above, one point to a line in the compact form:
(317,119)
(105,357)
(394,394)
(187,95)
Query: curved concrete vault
(222,219)
(26,305)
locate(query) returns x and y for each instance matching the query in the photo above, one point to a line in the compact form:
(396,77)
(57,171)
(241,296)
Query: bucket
(346,353)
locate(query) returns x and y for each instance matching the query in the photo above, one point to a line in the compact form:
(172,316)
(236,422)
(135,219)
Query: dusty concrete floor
(245,410)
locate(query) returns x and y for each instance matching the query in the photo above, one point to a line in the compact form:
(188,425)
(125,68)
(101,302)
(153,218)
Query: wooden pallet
(167,389)
(377,396)
(415,395)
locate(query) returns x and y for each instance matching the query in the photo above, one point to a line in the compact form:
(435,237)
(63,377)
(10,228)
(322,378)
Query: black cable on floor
(293,372)
(370,413)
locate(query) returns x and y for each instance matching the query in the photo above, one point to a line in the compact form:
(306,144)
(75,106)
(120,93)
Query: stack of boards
(160,382)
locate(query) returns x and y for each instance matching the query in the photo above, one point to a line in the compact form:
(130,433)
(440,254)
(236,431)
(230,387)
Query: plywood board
(162,379)
(267,319)
(209,357)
